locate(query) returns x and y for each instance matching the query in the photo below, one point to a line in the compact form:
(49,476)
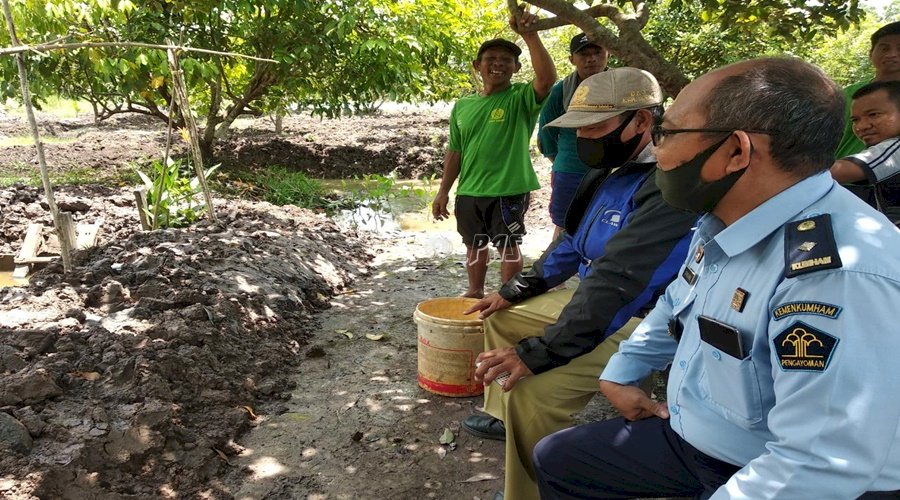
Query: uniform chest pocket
(732,385)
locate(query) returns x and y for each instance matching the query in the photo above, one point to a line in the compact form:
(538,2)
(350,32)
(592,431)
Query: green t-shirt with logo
(850,144)
(493,134)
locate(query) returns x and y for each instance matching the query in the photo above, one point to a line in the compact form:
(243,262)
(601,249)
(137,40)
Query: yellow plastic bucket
(448,343)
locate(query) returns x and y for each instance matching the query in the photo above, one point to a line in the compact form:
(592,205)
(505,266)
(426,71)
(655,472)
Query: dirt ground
(231,359)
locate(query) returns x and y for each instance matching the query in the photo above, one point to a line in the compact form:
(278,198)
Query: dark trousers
(621,459)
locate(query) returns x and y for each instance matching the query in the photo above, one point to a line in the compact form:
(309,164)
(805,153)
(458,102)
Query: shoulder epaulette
(809,246)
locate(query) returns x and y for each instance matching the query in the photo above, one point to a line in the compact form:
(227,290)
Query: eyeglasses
(657,132)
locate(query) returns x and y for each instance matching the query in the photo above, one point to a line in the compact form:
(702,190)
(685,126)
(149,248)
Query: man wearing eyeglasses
(779,330)
(624,242)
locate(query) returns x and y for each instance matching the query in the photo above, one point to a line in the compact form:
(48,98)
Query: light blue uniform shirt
(812,410)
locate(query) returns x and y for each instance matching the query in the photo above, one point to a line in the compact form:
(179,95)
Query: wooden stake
(30,246)
(66,244)
(185,105)
(140,199)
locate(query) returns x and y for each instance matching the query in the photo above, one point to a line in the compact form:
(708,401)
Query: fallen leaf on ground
(222,456)
(375,336)
(345,333)
(249,411)
(447,437)
(481,476)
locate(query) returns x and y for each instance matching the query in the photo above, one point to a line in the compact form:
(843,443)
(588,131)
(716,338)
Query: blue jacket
(625,243)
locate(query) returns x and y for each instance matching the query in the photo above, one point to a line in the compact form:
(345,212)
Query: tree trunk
(629,46)
(279,122)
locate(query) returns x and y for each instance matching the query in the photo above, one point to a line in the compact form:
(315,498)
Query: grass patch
(31,176)
(281,187)
(55,105)
(27,140)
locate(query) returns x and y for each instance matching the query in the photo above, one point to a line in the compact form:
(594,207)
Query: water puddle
(368,218)
(384,205)
(6,280)
(7,265)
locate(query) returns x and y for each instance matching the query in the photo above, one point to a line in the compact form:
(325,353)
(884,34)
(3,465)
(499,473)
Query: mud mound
(408,145)
(130,376)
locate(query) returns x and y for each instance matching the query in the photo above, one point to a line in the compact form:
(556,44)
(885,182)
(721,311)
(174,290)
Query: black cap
(579,42)
(499,42)
(886,30)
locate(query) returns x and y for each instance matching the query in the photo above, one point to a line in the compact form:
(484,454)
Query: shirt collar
(646,155)
(772,214)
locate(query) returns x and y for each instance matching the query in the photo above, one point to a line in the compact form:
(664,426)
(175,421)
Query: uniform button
(714,268)
(682,363)
(716,355)
(676,302)
(673,410)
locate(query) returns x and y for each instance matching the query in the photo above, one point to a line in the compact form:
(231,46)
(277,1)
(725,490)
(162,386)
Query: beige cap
(607,94)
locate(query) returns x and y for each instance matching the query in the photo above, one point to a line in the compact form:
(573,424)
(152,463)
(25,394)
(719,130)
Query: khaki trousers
(543,404)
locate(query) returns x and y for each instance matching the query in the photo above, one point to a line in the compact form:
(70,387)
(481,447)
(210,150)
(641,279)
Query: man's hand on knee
(632,402)
(489,305)
(494,363)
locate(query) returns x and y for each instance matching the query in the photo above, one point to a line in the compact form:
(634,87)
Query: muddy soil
(231,359)
(409,145)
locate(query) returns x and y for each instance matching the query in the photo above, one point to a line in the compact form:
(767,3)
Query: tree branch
(70,46)
(629,45)
(567,13)
(641,12)
(261,80)
(603,10)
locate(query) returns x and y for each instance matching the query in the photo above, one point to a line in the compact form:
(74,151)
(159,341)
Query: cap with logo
(499,42)
(579,42)
(610,93)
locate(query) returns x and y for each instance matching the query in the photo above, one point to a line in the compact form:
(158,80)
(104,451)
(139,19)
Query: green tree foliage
(331,56)
(677,32)
(339,56)
(719,28)
(845,56)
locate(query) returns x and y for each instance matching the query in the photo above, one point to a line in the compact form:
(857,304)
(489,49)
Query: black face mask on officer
(682,187)
(608,151)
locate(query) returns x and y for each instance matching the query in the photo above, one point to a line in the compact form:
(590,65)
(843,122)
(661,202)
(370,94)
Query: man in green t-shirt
(490,133)
(885,57)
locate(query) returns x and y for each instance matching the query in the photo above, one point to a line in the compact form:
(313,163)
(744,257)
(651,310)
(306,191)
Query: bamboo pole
(66,243)
(18,48)
(184,103)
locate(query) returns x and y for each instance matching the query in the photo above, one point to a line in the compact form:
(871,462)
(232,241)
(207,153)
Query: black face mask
(608,151)
(682,188)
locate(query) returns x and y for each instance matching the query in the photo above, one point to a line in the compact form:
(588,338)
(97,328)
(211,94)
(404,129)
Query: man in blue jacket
(621,239)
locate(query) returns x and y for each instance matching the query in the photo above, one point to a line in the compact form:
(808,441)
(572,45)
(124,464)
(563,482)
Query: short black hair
(892,87)
(794,100)
(886,30)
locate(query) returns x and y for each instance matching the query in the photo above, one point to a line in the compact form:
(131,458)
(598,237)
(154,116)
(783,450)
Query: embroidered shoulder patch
(816,308)
(809,246)
(801,347)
